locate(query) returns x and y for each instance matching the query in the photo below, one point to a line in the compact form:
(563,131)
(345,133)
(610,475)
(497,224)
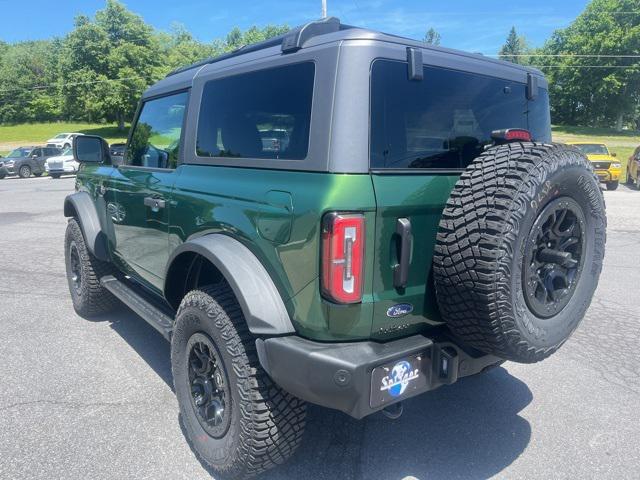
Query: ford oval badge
(399,310)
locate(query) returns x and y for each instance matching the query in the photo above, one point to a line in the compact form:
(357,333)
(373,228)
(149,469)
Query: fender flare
(259,298)
(81,206)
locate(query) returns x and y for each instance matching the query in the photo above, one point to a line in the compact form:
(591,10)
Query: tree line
(97,72)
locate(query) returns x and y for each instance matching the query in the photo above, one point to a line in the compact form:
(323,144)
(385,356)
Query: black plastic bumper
(361,378)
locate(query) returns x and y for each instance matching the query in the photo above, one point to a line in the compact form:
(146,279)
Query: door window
(37,152)
(155,141)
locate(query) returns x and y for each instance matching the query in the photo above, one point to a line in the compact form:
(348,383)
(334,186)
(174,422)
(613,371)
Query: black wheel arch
(80,206)
(210,258)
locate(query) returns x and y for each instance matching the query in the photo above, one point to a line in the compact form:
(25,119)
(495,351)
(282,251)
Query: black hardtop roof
(314,33)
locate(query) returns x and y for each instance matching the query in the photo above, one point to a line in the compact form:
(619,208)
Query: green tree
(606,95)
(28,73)
(432,37)
(111,60)
(514,48)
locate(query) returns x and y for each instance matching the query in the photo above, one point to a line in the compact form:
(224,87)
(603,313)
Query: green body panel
(141,232)
(276,214)
(421,199)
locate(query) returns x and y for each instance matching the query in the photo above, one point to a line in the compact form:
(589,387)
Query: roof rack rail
(291,41)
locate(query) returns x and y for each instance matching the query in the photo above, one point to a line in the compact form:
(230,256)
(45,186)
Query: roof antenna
(324,8)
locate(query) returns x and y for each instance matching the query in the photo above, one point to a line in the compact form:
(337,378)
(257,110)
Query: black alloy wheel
(210,396)
(554,257)
(76,268)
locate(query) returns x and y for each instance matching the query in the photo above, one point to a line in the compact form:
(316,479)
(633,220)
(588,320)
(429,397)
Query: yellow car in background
(607,167)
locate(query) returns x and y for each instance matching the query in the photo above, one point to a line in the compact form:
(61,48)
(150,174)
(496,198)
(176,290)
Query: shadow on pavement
(468,430)
(144,339)
(471,429)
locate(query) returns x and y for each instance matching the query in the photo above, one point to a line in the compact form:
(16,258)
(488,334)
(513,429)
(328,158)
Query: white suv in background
(63,164)
(63,140)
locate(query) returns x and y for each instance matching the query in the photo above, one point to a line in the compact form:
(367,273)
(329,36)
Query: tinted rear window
(445,120)
(264,114)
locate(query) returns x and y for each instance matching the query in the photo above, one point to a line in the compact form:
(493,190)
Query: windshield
(61,135)
(20,153)
(593,149)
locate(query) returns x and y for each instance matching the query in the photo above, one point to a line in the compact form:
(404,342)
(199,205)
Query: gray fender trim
(80,205)
(260,300)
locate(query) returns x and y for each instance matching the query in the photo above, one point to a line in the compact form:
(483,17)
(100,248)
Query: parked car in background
(63,164)
(633,169)
(275,140)
(25,161)
(116,151)
(604,162)
(62,140)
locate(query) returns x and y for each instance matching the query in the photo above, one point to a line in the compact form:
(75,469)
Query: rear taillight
(342,257)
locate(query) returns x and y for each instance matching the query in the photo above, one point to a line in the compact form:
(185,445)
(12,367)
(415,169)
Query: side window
(443,121)
(155,141)
(37,152)
(264,114)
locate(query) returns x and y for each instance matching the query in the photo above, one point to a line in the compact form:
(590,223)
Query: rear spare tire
(519,249)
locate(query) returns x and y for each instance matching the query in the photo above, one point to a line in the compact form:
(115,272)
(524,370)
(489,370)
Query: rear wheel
(237,420)
(24,171)
(519,250)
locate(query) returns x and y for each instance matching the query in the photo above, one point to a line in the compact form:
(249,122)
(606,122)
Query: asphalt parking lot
(93,399)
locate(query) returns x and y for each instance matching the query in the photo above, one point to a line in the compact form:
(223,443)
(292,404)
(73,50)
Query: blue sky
(472,25)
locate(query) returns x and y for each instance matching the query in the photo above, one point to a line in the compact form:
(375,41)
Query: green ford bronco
(340,217)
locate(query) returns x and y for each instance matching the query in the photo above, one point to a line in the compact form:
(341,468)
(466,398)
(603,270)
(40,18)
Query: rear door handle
(154,203)
(401,270)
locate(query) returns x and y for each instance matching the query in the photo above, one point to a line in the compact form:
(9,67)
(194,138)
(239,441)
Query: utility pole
(324,8)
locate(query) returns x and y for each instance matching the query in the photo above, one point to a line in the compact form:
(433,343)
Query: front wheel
(236,419)
(24,171)
(84,272)
(613,185)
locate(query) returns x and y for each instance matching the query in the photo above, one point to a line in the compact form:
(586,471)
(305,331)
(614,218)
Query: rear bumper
(355,377)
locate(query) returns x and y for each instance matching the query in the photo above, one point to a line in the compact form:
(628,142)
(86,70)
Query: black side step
(136,302)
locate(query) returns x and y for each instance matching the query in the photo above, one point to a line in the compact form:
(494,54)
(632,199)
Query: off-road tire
(91,298)
(266,423)
(24,171)
(612,185)
(480,248)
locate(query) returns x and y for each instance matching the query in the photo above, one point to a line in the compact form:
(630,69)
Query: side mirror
(90,149)
(34,156)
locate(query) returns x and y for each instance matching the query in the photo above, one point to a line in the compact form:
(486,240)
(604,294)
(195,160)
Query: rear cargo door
(423,134)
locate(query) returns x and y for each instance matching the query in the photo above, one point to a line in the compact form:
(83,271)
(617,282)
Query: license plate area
(398,379)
